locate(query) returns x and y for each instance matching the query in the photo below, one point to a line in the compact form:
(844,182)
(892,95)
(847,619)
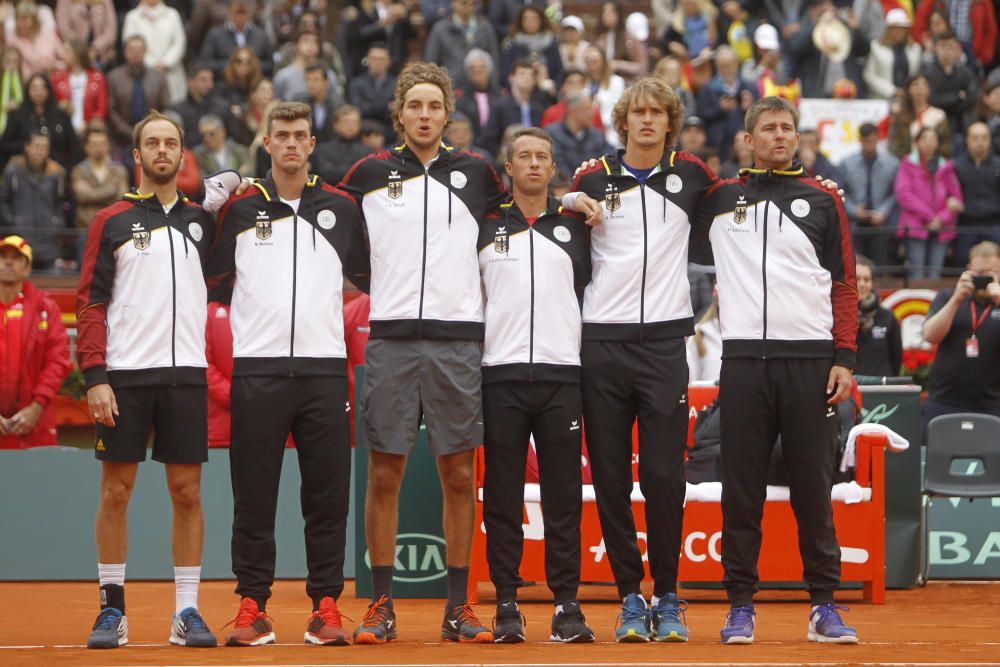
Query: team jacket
(141,299)
(282,272)
(533,280)
(640,288)
(422,226)
(782,248)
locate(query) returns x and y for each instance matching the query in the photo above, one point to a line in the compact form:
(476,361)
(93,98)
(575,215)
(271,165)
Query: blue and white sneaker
(633,623)
(189,629)
(110,629)
(669,624)
(739,625)
(826,625)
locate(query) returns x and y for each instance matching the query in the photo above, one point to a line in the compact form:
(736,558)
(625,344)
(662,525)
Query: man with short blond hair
(284,247)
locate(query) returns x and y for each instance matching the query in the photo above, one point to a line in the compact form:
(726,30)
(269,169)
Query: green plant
(74,386)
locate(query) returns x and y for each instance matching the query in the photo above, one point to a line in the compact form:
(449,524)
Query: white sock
(654,601)
(559,609)
(186,581)
(111,574)
(640,597)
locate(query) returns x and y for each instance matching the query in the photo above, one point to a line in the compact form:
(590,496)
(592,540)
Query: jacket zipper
(173,302)
(531,325)
(295,266)
(763,270)
(423,259)
(645,252)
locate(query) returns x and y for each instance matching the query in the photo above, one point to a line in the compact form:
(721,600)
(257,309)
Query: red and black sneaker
(325,626)
(251,627)
(461,625)
(379,624)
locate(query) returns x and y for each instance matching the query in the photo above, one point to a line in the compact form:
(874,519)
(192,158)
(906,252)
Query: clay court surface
(943,624)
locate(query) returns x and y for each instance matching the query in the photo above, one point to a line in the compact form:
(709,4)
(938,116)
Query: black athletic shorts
(178,416)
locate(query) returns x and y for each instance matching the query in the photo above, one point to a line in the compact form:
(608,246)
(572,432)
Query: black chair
(964,436)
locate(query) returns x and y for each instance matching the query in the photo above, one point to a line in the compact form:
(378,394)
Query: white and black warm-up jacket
(422,225)
(639,291)
(141,303)
(533,281)
(283,272)
(785,263)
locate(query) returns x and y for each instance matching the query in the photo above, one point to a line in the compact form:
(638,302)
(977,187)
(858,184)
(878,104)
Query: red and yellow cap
(18,244)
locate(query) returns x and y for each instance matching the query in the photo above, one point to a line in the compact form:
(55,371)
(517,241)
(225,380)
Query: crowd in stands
(75,75)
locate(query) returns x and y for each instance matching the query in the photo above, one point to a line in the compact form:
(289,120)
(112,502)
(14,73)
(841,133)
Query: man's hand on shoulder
(830,185)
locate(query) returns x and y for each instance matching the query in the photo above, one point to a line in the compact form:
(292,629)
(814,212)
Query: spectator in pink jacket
(930,200)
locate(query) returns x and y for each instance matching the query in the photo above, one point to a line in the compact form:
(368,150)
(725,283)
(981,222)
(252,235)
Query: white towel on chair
(897,443)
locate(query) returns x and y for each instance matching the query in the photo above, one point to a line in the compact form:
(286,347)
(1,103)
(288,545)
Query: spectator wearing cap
(237,32)
(94,23)
(893,58)
(575,139)
(974,20)
(954,86)
(869,176)
(826,49)
(625,52)
(451,39)
(133,89)
(964,323)
(605,88)
(572,45)
(218,152)
(723,103)
(531,38)
(33,200)
(460,136)
(478,97)
(199,102)
(767,67)
(166,41)
(978,171)
(373,91)
(573,81)
(34,352)
(693,137)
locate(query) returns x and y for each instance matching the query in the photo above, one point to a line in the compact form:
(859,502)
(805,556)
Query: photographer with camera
(965,324)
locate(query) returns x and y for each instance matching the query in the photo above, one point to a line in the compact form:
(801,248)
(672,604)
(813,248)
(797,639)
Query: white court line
(629,664)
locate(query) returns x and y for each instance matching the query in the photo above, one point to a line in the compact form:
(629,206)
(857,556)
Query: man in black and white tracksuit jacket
(283,249)
(535,262)
(636,313)
(788,309)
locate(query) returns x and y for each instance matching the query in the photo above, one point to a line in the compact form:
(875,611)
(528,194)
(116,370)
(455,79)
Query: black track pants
(758,400)
(648,381)
(264,411)
(512,412)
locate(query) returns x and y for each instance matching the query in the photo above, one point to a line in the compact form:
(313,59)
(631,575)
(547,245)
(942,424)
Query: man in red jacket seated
(34,352)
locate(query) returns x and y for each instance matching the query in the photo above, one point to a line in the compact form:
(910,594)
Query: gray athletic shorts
(407,379)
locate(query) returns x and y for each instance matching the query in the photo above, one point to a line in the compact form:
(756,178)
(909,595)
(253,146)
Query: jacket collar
(795,171)
(404,153)
(614,163)
(509,208)
(151,200)
(270,190)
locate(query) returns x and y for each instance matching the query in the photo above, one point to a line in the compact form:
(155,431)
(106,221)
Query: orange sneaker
(325,625)
(379,624)
(461,625)
(251,627)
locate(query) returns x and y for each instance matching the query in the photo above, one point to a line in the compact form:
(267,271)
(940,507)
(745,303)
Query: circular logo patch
(674,183)
(561,234)
(326,219)
(195,230)
(800,208)
(458,180)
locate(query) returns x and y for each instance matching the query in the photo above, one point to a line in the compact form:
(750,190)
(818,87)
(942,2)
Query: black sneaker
(379,624)
(461,625)
(569,625)
(508,624)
